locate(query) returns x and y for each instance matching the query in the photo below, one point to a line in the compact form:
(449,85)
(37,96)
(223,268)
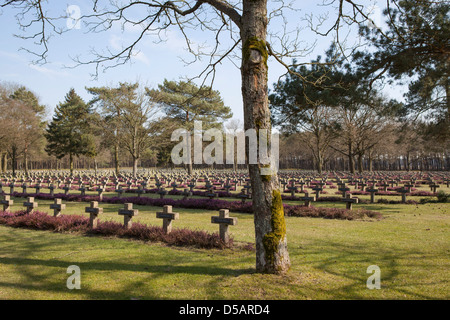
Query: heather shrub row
(75,223)
(206,204)
(330,213)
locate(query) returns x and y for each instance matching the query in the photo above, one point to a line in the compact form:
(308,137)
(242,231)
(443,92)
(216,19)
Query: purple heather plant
(76,223)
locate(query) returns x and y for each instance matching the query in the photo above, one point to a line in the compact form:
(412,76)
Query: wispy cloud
(140,56)
(49,72)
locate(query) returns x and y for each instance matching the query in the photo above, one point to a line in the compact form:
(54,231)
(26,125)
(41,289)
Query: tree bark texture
(270,227)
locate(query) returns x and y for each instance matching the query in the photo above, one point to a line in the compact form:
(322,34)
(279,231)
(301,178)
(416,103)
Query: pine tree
(185,103)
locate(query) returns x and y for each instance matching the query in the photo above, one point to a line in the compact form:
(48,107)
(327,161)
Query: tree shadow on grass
(49,274)
(399,279)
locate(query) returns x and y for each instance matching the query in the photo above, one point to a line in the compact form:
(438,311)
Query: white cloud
(140,56)
(48,72)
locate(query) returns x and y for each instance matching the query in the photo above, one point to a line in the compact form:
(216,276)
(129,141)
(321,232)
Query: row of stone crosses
(167,215)
(292,182)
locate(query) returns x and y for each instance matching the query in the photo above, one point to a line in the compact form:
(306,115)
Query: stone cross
(119,191)
(403,191)
(162,192)
(349,201)
(224,220)
(191,186)
(242,196)
(128,213)
(372,191)
(433,187)
(57,207)
(30,205)
(384,185)
(140,191)
(344,190)
(301,183)
(362,186)
(409,186)
(38,187)
(100,191)
(66,189)
(6,202)
(82,190)
(24,188)
(308,199)
(93,211)
(292,189)
(212,195)
(11,188)
(186,194)
(52,189)
(167,215)
(317,189)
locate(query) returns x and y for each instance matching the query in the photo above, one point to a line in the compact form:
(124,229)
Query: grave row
(167,215)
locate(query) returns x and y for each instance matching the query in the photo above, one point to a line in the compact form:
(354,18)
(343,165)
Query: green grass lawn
(411,246)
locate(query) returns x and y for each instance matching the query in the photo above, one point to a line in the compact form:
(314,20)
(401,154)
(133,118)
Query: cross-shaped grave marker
(349,201)
(307,199)
(38,187)
(162,192)
(100,191)
(93,211)
(30,205)
(6,202)
(11,188)
(66,189)
(167,215)
(372,191)
(317,189)
(186,194)
(128,213)
(224,220)
(243,196)
(140,191)
(57,207)
(52,189)
(403,191)
(24,188)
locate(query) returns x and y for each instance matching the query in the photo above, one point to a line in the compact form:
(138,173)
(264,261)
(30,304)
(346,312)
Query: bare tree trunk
(71,164)
(4,162)
(116,159)
(270,227)
(135,166)
(95,166)
(360,163)
(14,161)
(25,161)
(351,163)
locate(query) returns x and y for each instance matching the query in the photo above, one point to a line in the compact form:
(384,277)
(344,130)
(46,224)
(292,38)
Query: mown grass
(329,259)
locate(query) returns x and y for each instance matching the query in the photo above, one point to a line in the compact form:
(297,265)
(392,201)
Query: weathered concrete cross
(30,205)
(93,211)
(167,215)
(224,220)
(128,213)
(57,207)
(6,202)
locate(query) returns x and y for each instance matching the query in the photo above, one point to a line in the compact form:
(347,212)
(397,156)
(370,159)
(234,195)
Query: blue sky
(151,65)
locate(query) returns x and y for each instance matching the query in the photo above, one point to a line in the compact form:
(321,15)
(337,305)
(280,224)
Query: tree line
(123,121)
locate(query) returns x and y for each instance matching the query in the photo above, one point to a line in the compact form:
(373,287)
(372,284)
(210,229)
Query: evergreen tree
(184,102)
(415,50)
(69,131)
